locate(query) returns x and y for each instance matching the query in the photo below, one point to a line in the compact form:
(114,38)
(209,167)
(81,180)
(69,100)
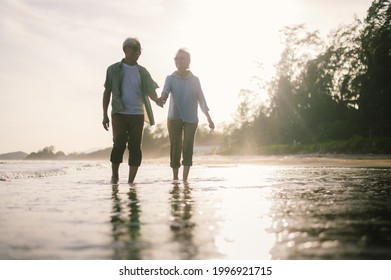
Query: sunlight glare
(238,242)
(230,45)
(250,185)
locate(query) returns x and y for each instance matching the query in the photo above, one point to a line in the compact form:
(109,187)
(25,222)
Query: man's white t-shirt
(131,91)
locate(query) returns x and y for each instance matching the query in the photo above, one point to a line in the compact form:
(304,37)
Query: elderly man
(129,86)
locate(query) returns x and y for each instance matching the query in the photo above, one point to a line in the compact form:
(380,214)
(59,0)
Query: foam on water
(24,169)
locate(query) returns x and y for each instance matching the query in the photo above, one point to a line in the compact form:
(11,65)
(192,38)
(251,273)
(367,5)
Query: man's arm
(106,102)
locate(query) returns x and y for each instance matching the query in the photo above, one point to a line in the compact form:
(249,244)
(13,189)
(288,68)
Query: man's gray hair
(131,42)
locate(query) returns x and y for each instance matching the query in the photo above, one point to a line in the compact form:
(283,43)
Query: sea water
(228,209)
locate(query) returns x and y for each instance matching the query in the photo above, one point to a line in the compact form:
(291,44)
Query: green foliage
(355,145)
(46,153)
(329,95)
(155,141)
(375,90)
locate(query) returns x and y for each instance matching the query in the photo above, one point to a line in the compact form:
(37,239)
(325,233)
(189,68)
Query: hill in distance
(13,156)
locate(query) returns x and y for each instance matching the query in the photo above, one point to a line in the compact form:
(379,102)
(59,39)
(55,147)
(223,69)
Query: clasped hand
(160,101)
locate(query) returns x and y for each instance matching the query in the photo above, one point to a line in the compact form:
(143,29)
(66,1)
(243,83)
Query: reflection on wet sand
(349,220)
(126,225)
(181,223)
(129,235)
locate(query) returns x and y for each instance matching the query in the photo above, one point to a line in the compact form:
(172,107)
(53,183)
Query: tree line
(328,95)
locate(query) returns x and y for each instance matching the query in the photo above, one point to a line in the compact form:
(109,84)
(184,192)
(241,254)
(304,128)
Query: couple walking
(129,86)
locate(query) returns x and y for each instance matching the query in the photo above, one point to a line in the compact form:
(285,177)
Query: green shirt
(113,83)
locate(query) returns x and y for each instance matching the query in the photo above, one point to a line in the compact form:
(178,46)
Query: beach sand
(291,207)
(341,160)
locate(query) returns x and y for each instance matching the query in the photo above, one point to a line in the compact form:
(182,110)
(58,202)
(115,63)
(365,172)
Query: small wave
(32,175)
(42,169)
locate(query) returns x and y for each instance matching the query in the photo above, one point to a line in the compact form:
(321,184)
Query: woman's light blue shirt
(186,95)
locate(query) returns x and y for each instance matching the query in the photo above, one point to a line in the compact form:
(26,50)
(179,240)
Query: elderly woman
(182,120)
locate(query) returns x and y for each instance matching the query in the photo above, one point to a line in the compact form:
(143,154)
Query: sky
(54,55)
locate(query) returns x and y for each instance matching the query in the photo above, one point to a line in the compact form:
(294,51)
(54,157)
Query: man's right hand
(106,122)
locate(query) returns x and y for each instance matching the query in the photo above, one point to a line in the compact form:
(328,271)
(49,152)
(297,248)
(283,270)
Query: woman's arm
(211,123)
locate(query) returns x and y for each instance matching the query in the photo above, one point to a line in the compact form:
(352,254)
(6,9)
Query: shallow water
(227,210)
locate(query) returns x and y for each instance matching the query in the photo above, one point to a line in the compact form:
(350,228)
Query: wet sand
(307,160)
(312,207)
